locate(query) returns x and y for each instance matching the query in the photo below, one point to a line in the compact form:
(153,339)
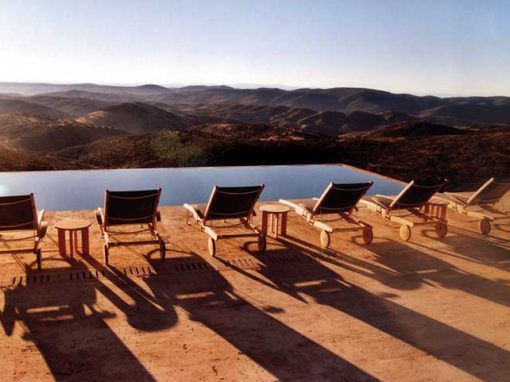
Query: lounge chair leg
(38,259)
(162,250)
(262,243)
(211,245)
(405,232)
(325,239)
(484,226)
(105,254)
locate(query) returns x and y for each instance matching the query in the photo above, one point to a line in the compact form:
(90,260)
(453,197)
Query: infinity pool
(76,190)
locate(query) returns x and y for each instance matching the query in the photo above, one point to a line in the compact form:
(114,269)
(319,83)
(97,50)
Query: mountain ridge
(494,109)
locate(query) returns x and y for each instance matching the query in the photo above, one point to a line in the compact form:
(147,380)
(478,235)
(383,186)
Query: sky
(440,47)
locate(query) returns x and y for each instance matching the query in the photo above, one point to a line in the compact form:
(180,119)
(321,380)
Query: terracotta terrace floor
(423,310)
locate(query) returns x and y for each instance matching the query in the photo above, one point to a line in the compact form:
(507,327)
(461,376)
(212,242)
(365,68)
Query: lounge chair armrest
(300,210)
(99,216)
(43,228)
(40,217)
(158,216)
(193,211)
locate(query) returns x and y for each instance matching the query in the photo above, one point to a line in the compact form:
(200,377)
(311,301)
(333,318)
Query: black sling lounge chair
(130,208)
(416,201)
(18,213)
(227,204)
(337,199)
(476,204)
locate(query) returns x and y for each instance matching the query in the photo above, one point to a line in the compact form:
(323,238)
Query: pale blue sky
(445,47)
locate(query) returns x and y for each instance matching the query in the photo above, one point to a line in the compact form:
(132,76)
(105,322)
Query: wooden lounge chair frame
(475,205)
(146,223)
(206,217)
(432,211)
(315,215)
(34,223)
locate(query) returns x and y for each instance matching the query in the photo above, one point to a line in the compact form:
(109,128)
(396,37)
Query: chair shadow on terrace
(315,280)
(69,328)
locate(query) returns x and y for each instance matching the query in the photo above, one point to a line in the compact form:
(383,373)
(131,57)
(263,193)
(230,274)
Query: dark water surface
(76,190)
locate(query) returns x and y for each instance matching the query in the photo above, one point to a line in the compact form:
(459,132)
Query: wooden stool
(73,226)
(274,219)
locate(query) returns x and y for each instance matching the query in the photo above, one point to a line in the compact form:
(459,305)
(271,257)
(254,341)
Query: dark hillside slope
(23,106)
(306,120)
(135,118)
(74,107)
(416,129)
(46,134)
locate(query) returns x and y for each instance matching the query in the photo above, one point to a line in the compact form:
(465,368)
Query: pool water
(77,190)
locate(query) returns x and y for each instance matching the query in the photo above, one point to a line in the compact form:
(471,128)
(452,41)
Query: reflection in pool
(74,190)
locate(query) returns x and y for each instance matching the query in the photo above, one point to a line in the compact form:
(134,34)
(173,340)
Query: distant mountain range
(47,126)
(451,110)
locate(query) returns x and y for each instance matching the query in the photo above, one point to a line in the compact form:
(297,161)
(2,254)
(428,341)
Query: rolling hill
(451,110)
(45,134)
(306,120)
(8,104)
(70,106)
(135,118)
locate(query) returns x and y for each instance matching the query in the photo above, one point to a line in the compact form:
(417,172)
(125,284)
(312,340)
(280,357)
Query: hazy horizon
(245,86)
(451,48)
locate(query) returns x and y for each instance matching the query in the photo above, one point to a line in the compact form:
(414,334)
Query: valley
(86,126)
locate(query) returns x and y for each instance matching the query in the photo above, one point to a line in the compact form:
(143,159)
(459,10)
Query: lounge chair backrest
(491,192)
(232,202)
(340,198)
(131,207)
(18,213)
(415,195)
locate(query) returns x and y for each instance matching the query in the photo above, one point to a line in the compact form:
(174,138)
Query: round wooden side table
(73,226)
(274,219)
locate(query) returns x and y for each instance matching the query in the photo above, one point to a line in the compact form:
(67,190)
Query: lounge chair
(476,204)
(18,213)
(130,209)
(416,201)
(227,204)
(337,199)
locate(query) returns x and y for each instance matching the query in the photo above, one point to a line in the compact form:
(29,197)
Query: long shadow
(147,313)
(282,351)
(62,320)
(391,277)
(462,350)
(480,250)
(410,268)
(427,269)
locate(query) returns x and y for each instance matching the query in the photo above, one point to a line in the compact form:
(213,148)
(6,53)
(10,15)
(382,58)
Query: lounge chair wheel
(105,254)
(162,249)
(484,226)
(211,245)
(262,243)
(405,232)
(38,257)
(368,235)
(325,239)
(441,229)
